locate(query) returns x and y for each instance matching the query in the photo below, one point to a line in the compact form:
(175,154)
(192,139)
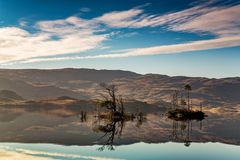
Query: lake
(67,133)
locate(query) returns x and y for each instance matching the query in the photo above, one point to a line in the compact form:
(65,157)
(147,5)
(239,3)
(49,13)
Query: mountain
(84,84)
(64,75)
(30,91)
(152,87)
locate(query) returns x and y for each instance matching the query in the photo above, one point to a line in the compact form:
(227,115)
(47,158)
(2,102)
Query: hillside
(29,91)
(65,75)
(83,84)
(151,87)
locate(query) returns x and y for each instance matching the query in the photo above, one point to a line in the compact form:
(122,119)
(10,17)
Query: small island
(182,106)
(114,106)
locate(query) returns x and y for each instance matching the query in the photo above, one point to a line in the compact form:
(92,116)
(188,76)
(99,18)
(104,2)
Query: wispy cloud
(71,35)
(218,20)
(120,19)
(165,49)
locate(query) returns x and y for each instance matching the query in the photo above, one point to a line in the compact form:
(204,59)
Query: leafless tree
(175,97)
(111,101)
(188,88)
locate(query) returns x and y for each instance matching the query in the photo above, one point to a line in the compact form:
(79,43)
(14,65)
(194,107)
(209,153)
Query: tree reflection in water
(115,116)
(182,130)
(110,131)
(82,116)
(113,128)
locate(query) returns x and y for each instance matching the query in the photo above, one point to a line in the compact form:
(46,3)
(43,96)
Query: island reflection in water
(80,126)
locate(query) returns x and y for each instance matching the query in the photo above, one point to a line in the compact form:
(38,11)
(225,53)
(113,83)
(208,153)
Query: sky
(173,37)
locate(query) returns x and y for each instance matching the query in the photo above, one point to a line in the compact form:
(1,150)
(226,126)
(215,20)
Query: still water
(69,133)
(137,151)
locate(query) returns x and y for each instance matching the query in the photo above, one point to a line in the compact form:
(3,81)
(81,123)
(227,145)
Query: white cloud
(120,19)
(178,48)
(165,49)
(71,35)
(77,35)
(220,21)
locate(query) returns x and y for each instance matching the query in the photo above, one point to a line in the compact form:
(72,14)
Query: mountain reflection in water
(70,126)
(42,133)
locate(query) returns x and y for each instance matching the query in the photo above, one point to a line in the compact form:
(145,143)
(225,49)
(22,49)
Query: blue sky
(174,37)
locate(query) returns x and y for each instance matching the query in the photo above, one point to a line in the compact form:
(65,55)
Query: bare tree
(121,107)
(175,97)
(188,88)
(110,99)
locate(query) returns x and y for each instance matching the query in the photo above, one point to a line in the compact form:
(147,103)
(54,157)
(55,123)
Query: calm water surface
(70,133)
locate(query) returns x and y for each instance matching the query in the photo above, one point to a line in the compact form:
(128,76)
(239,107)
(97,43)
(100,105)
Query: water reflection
(70,125)
(83,116)
(110,130)
(181,131)
(137,151)
(182,127)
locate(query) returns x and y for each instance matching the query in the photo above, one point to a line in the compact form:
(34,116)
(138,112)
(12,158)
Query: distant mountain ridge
(66,74)
(29,91)
(83,84)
